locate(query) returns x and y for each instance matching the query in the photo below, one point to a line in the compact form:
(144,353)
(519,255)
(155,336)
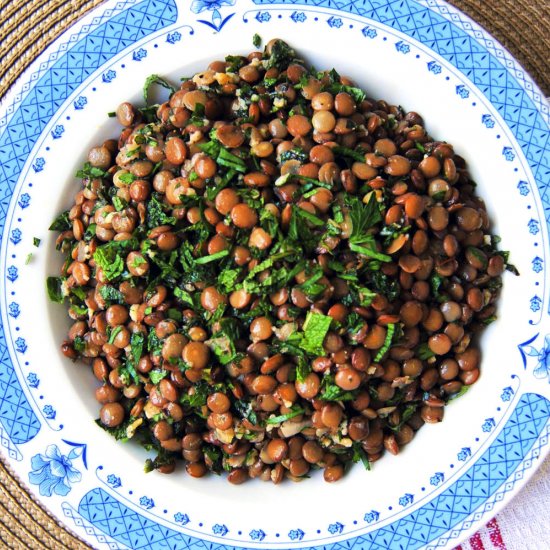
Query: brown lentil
(289,205)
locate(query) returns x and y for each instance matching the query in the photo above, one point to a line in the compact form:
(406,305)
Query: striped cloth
(488,538)
(523,524)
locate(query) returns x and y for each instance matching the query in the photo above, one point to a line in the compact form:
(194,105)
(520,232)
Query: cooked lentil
(272,272)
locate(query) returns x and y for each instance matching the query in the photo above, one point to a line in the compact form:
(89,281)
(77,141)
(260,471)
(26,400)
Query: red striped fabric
(495,534)
(487,538)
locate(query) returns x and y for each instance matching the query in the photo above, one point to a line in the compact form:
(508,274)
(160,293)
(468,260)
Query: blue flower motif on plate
(464,454)
(298,17)
(488,425)
(335,528)
(523,187)
(533,226)
(507,394)
(369,32)
(508,153)
(296,534)
(216,22)
(334,22)
(80,102)
(33,380)
(257,534)
(39,164)
(542,370)
(535,303)
(181,518)
(12,273)
(24,200)
(146,502)
(14,310)
(488,121)
(138,55)
(437,478)
(109,76)
(49,412)
(221,530)
(434,67)
(16,235)
(198,6)
(406,499)
(57,132)
(371,516)
(537,264)
(53,472)
(462,91)
(263,17)
(21,345)
(402,47)
(173,37)
(114,481)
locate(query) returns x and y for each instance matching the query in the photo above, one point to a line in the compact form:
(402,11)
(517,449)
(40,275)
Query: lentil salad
(272,273)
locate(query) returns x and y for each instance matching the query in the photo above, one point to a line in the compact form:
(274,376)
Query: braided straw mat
(28,27)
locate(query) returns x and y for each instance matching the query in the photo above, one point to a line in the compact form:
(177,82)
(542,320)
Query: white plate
(424,55)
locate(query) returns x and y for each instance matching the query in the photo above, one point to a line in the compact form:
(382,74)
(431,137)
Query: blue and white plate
(424,55)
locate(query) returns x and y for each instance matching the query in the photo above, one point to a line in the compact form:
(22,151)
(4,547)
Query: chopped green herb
(363,216)
(424,352)
(157,213)
(79,344)
(245,410)
(390,330)
(358,156)
(111,294)
(61,223)
(281,55)
(90,172)
(155,79)
(54,286)
(359,454)
(295,411)
(316,327)
(458,394)
(212,257)
(157,375)
(127,178)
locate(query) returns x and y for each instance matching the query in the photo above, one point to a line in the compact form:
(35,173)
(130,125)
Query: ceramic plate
(423,55)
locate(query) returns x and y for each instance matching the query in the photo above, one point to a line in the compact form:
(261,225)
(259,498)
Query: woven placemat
(27,28)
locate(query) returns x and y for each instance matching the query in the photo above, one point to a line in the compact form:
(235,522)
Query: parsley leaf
(363,216)
(357,94)
(390,330)
(156,213)
(331,392)
(137,343)
(155,79)
(256,40)
(110,262)
(424,352)
(280,56)
(245,410)
(294,411)
(227,279)
(61,223)
(54,285)
(111,294)
(90,172)
(315,329)
(157,375)
(358,156)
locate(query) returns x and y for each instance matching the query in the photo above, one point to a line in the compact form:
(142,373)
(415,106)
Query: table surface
(26,29)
